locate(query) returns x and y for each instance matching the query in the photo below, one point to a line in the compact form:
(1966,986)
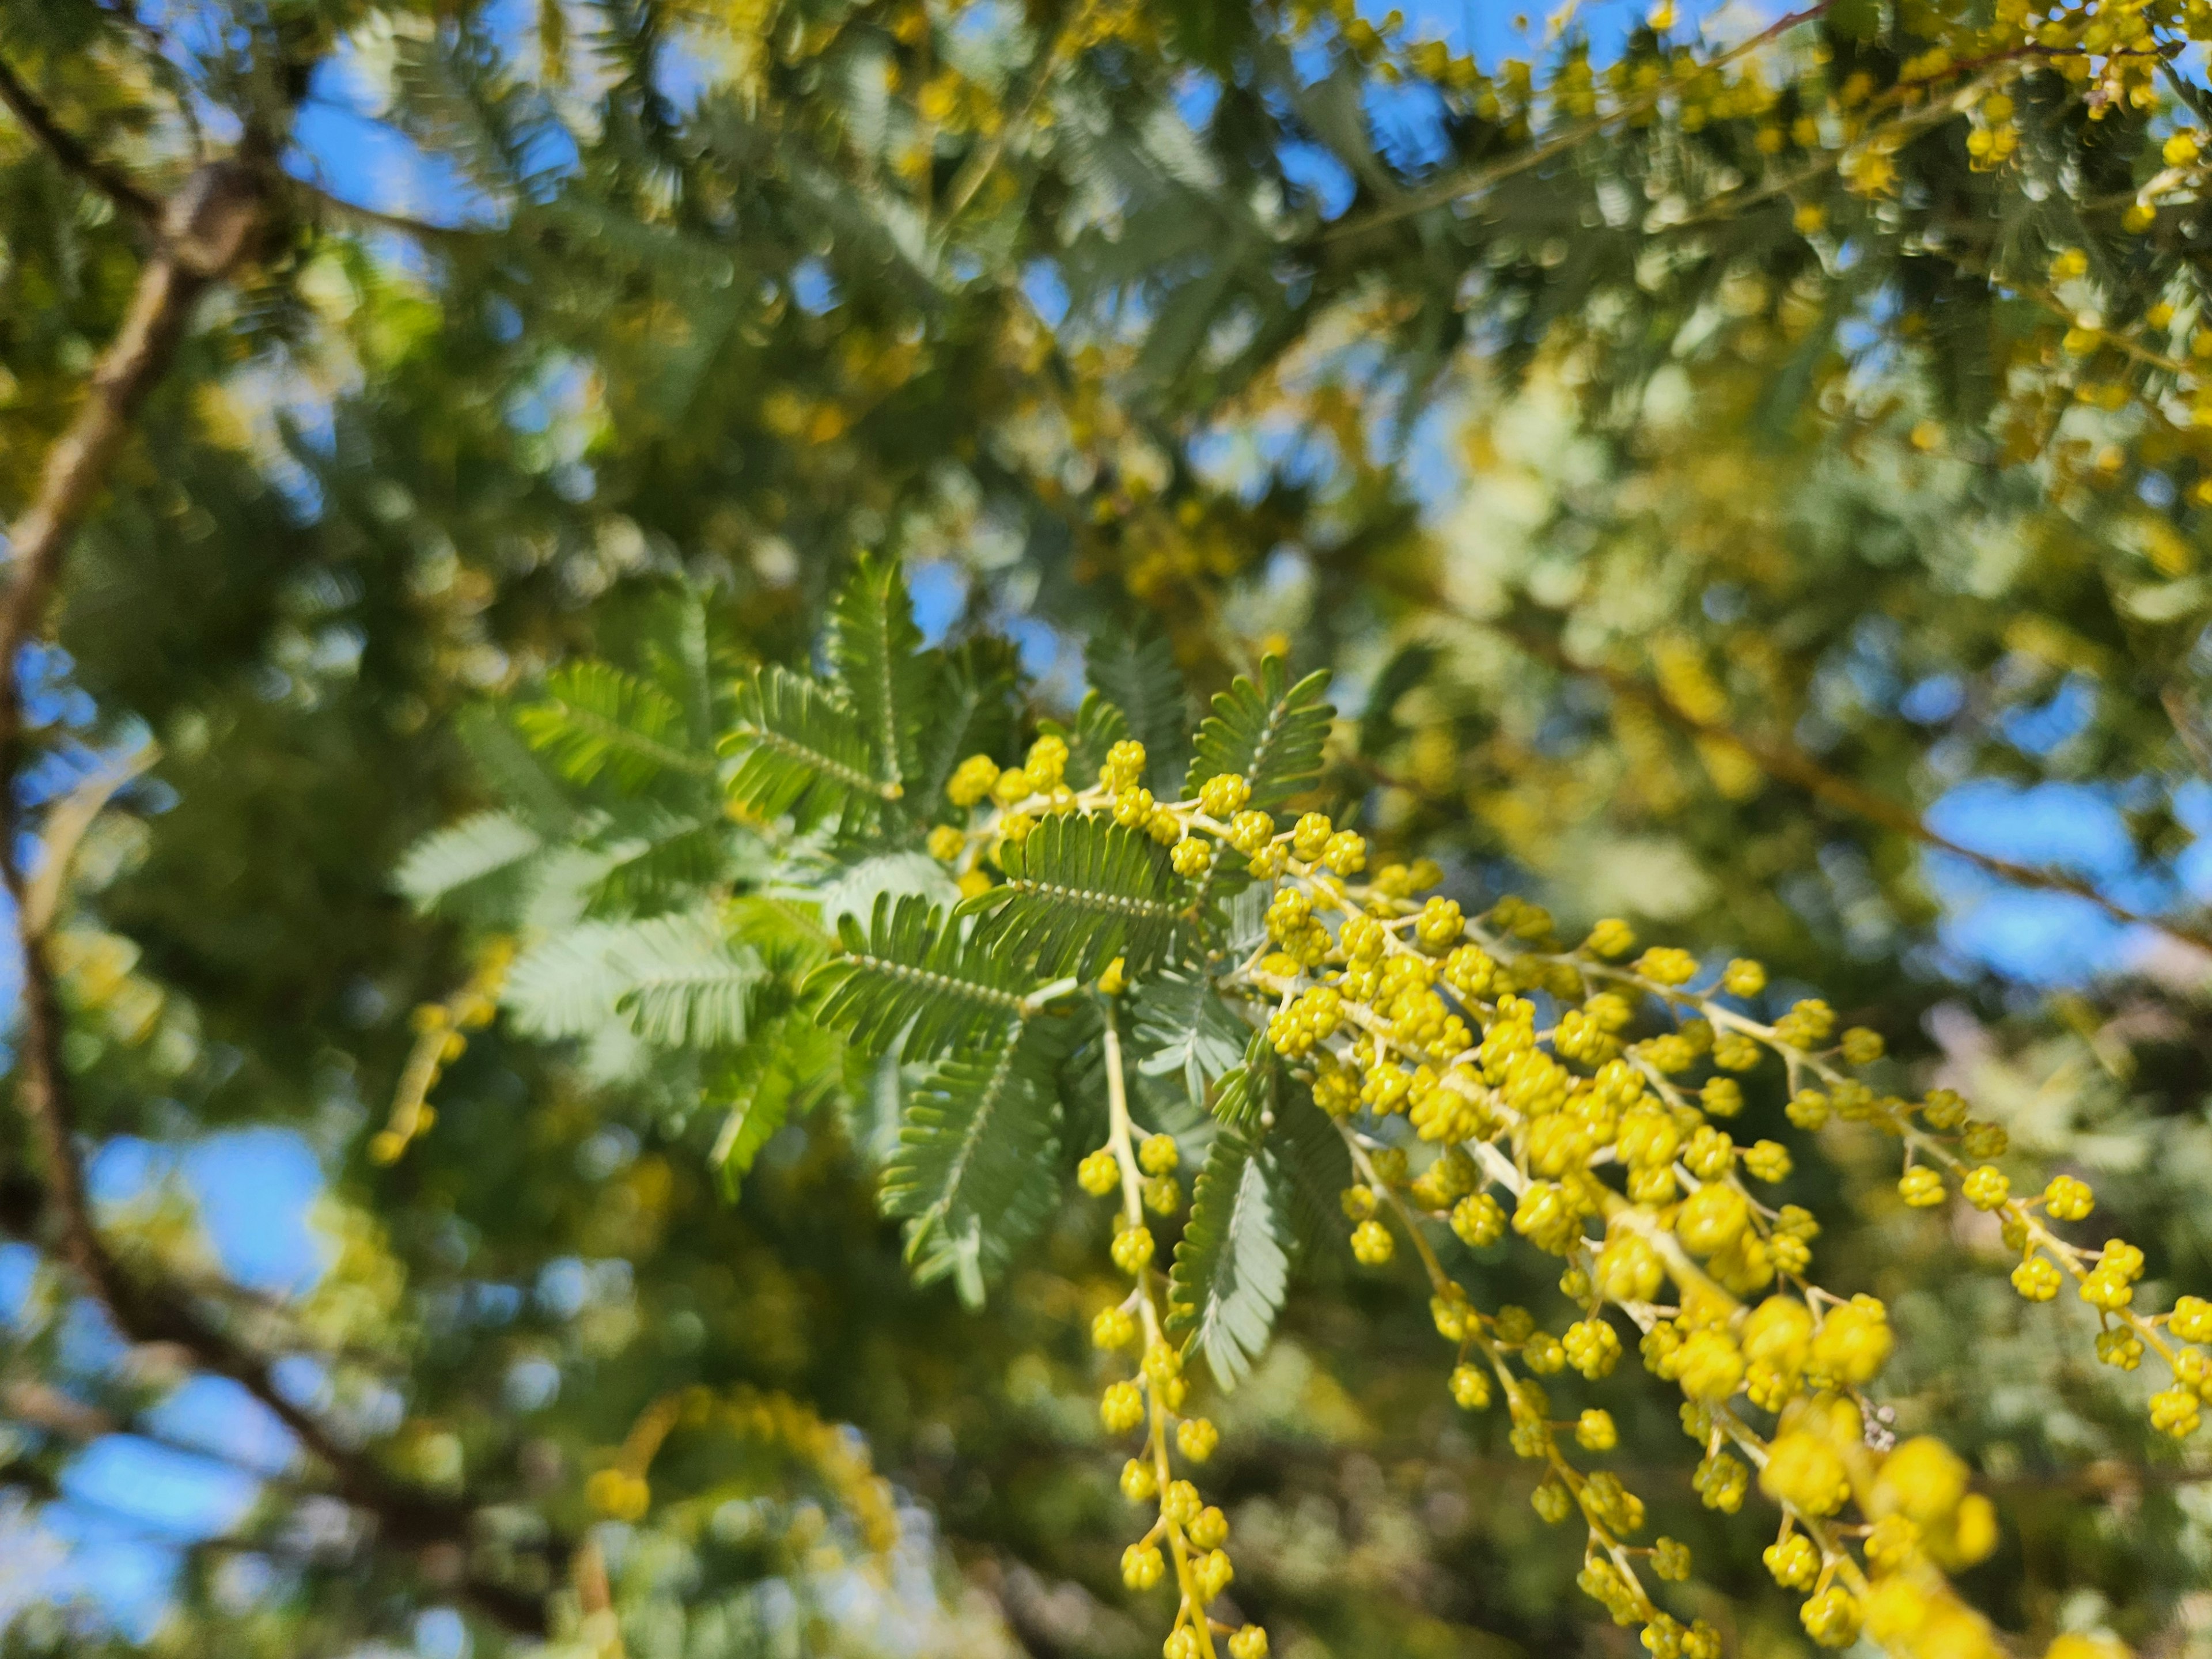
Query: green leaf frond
(677,982)
(1135,670)
(1183,1030)
(886,677)
(1232,1264)
(972,713)
(660,860)
(798,751)
(689,983)
(1271,734)
(976,1175)
(594,719)
(790,1061)
(916,970)
(445,862)
(1315,1170)
(1080,891)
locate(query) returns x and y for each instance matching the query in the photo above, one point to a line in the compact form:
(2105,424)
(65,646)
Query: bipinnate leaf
(1233,1266)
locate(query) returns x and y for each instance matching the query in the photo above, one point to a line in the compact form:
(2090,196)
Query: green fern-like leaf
(1232,1265)
(688,983)
(800,751)
(1183,1030)
(761,1085)
(1080,891)
(1136,671)
(886,677)
(446,861)
(973,713)
(1271,734)
(595,720)
(660,860)
(975,1174)
(914,970)
(674,981)
(1316,1168)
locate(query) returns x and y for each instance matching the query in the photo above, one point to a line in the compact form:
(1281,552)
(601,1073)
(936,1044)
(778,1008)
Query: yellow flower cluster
(442,1031)
(1598,1149)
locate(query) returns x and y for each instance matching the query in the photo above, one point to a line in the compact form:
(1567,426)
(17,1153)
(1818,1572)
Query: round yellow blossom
(1214,1574)
(944,843)
(1222,796)
(1158,1155)
(1629,1269)
(1808,1109)
(1113,1327)
(1196,1437)
(1470,1387)
(1438,924)
(1921,1186)
(1209,1529)
(1666,965)
(1712,1217)
(2191,1319)
(1611,936)
(1141,1566)
(1793,1561)
(1125,764)
(1250,831)
(1743,978)
(1098,1174)
(1371,1244)
(1710,1365)
(1924,1479)
(1767,1160)
(1863,1046)
(1854,1341)
(1345,853)
(1133,1248)
(971,779)
(1250,1642)
(1592,1346)
(1140,1481)
(2068,1198)
(1047,761)
(1670,1560)
(1190,856)
(1803,1471)
(1594,1430)
(2037,1278)
(1122,1407)
(1011,786)
(1780,1332)
(1985,1188)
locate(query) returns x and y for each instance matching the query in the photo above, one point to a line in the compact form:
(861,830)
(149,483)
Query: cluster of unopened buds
(1508,1060)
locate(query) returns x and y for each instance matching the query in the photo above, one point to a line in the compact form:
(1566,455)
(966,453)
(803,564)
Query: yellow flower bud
(1803,1471)
(1712,1217)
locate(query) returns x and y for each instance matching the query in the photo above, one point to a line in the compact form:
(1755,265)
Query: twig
(377,219)
(205,231)
(71,152)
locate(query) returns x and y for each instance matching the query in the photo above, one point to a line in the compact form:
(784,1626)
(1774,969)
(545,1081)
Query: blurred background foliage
(1717,505)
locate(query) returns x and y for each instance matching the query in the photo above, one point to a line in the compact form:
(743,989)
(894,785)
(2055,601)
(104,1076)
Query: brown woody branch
(71,151)
(203,233)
